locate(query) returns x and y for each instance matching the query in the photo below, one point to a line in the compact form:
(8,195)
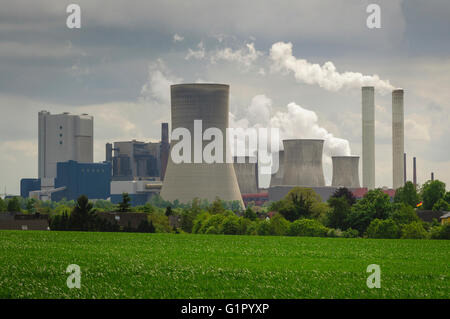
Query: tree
(298,203)
(83,215)
(407,194)
(375,204)
(14,205)
(441,205)
(432,192)
(217,207)
(249,213)
(404,214)
(379,228)
(337,215)
(346,193)
(3,207)
(414,230)
(125,205)
(169,211)
(278,225)
(230,225)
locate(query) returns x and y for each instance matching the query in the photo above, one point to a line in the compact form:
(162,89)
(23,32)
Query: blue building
(90,179)
(28,185)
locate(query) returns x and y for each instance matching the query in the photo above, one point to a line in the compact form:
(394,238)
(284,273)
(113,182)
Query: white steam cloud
(294,122)
(325,76)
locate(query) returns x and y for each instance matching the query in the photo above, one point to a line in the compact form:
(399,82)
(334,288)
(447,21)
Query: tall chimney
(165,146)
(432,176)
(368,136)
(404,168)
(397,138)
(414,172)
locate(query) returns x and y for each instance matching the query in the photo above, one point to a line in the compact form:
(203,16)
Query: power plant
(303,162)
(345,171)
(186,181)
(368,137)
(143,169)
(398,147)
(246,169)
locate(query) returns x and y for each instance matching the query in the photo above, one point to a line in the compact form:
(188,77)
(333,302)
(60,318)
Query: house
(445,219)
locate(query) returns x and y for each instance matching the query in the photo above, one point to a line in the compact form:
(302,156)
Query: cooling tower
(303,163)
(246,170)
(397,138)
(277,177)
(368,136)
(345,171)
(186,181)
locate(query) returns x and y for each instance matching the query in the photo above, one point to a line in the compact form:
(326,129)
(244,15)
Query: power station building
(64,137)
(197,178)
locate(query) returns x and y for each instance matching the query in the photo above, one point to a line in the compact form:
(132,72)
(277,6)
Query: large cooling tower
(303,163)
(277,177)
(368,136)
(186,181)
(397,138)
(246,170)
(345,171)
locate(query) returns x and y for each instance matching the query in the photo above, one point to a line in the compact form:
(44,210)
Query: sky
(297,65)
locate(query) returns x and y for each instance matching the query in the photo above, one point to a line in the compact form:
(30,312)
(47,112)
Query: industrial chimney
(165,147)
(414,172)
(303,163)
(246,170)
(186,181)
(345,171)
(368,136)
(277,177)
(397,138)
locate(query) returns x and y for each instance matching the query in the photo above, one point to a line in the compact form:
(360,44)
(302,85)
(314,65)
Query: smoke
(295,122)
(326,76)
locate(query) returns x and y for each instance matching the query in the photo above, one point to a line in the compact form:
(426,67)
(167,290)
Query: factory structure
(145,168)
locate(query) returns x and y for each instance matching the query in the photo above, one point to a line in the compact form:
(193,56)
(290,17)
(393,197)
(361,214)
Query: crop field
(124,265)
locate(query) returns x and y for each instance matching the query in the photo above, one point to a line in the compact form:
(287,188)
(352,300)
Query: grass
(125,265)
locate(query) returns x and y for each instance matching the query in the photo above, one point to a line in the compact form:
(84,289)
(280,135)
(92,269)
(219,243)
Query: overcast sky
(119,65)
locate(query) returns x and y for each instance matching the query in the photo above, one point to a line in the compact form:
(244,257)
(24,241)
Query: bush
(213,220)
(211,230)
(404,214)
(441,232)
(307,227)
(250,213)
(263,228)
(334,232)
(278,225)
(414,230)
(383,229)
(230,225)
(350,233)
(199,221)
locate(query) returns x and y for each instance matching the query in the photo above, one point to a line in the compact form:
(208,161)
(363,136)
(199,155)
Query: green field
(125,265)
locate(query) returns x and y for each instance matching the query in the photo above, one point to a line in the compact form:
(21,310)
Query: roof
(446,215)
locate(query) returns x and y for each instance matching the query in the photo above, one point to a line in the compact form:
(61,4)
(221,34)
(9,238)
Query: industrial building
(368,137)
(76,179)
(303,162)
(186,181)
(135,160)
(246,169)
(139,191)
(345,171)
(398,139)
(63,137)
